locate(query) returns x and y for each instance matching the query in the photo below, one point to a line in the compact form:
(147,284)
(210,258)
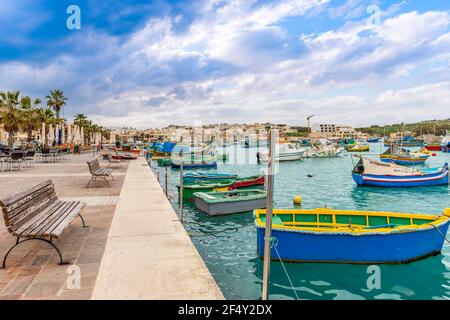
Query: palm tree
(31,121)
(10,116)
(80,119)
(56,100)
(37,102)
(48,117)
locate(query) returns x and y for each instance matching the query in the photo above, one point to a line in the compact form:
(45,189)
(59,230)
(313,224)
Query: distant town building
(332,131)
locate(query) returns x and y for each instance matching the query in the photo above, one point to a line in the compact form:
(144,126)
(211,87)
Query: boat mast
(269,206)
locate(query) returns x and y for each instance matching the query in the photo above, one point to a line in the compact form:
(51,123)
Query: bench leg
(93,179)
(28,239)
(82,220)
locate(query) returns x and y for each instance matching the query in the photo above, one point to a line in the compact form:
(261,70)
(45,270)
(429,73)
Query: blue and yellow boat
(403,157)
(345,236)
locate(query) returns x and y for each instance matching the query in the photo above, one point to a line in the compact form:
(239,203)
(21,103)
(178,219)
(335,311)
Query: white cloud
(237,62)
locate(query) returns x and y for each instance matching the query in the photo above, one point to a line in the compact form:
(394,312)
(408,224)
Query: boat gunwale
(435,222)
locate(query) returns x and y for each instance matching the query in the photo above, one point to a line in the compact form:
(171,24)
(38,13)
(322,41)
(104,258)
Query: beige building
(332,131)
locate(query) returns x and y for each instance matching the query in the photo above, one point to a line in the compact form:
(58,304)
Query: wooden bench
(98,172)
(37,214)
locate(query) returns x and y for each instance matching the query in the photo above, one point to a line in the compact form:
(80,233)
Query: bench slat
(33,223)
(17,196)
(63,224)
(22,218)
(44,224)
(32,201)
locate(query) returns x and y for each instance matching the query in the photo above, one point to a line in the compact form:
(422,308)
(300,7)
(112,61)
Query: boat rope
(440,232)
(273,244)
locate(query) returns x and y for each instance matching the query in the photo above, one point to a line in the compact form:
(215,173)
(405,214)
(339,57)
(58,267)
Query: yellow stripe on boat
(358,222)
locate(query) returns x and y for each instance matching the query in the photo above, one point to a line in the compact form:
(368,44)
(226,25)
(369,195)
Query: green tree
(56,100)
(80,120)
(10,115)
(31,118)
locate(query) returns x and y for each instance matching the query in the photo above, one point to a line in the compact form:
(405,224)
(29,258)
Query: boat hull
(248,183)
(405,161)
(364,249)
(435,179)
(217,209)
(195,165)
(292,156)
(433,148)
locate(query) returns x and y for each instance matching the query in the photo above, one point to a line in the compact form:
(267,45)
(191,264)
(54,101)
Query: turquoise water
(228,243)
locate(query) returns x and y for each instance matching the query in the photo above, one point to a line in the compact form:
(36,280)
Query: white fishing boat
(323,151)
(284,152)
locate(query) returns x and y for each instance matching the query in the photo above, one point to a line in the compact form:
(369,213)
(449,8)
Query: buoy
(434,154)
(297,200)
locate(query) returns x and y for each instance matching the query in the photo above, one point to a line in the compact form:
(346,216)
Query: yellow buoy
(297,200)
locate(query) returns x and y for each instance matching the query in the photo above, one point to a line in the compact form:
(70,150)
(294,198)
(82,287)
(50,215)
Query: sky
(149,64)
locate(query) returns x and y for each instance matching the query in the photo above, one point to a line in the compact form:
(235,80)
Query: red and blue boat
(369,172)
(347,236)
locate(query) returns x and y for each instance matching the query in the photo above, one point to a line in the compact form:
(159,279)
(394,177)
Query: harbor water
(227,244)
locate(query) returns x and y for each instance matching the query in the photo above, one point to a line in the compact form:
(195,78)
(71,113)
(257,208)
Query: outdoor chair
(46,155)
(16,158)
(3,160)
(29,158)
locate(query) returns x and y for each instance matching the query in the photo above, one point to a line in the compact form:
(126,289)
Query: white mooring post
(269,206)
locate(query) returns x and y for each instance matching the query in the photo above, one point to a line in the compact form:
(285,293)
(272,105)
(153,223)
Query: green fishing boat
(235,201)
(164,162)
(190,189)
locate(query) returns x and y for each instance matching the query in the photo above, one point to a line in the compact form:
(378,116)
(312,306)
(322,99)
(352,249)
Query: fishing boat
(345,236)
(127,150)
(163,149)
(120,156)
(190,189)
(404,157)
(164,162)
(373,140)
(369,172)
(433,147)
(236,201)
(195,165)
(359,148)
(285,152)
(194,177)
(248,182)
(406,141)
(252,182)
(323,151)
(348,143)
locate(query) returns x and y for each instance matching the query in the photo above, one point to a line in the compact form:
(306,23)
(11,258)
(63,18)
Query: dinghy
(345,236)
(193,177)
(359,148)
(285,152)
(369,172)
(236,201)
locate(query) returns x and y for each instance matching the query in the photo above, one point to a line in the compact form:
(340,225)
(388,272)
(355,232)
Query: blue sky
(153,63)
